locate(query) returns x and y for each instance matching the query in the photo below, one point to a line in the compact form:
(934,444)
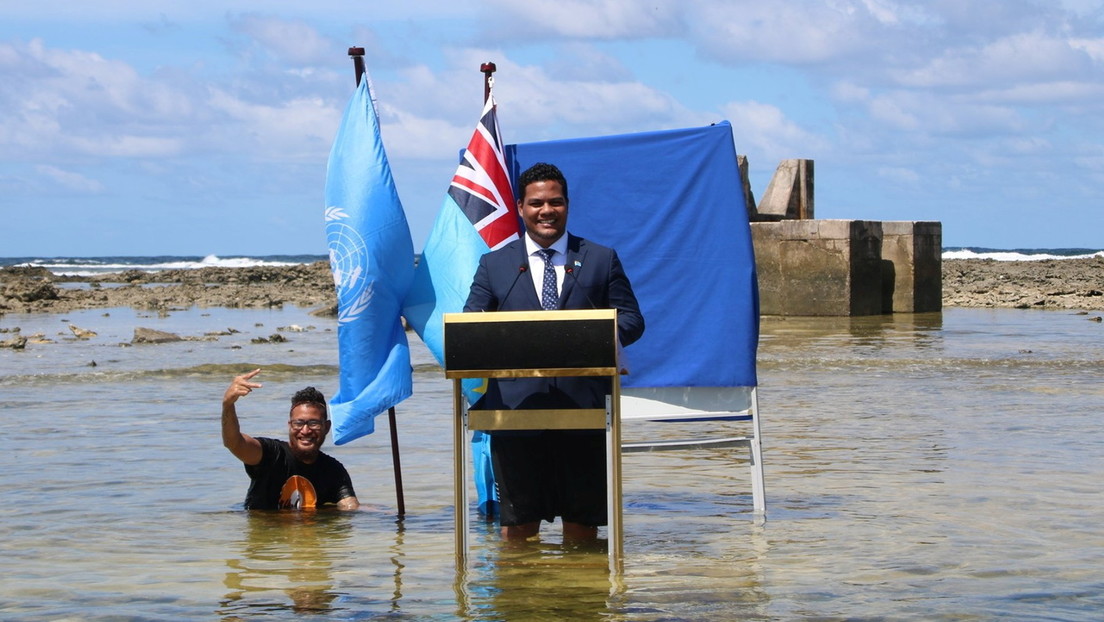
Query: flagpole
(487,68)
(357,54)
(395,461)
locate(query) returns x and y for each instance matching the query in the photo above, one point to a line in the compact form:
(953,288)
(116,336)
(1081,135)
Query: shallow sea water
(941,467)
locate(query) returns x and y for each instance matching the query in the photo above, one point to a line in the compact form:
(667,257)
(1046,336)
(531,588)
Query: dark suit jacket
(597,281)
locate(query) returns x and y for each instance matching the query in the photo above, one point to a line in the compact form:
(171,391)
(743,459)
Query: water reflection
(285,552)
(397,560)
(876,333)
(536,580)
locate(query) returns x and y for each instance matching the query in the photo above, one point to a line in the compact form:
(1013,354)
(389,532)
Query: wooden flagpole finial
(487,68)
(357,54)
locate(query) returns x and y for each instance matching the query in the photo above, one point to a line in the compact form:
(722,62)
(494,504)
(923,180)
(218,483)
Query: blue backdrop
(671,204)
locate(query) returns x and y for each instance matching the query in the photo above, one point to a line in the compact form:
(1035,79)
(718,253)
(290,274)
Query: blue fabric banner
(671,204)
(372,258)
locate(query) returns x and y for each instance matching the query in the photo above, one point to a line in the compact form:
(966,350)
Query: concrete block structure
(837,267)
(819,267)
(745,181)
(912,266)
(789,195)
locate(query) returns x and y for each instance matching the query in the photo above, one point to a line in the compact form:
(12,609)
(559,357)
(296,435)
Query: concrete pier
(848,267)
(837,267)
(819,267)
(912,262)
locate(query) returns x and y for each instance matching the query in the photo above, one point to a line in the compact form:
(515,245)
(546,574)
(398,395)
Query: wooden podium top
(525,344)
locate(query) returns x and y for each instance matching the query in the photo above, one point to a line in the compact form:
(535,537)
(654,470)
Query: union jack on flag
(478,215)
(481,185)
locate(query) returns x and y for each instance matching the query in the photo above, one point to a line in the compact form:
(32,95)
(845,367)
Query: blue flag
(478,215)
(372,258)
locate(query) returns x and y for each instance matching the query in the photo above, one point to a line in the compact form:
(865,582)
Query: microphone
(522,269)
(571,271)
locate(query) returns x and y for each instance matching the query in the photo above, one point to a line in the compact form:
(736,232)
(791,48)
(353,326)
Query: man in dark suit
(544,474)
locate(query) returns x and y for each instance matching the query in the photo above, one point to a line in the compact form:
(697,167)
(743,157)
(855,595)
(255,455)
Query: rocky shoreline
(1047,284)
(1044,284)
(36,290)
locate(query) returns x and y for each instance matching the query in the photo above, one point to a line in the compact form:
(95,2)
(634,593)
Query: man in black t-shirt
(293,473)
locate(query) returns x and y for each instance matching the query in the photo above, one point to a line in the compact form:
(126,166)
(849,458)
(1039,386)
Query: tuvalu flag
(478,215)
(372,259)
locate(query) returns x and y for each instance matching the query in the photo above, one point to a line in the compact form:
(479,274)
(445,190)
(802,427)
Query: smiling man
(546,474)
(293,473)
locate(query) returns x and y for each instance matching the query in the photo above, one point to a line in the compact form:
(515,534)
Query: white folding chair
(724,407)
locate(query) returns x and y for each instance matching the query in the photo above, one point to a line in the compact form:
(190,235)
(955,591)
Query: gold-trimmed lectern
(534,344)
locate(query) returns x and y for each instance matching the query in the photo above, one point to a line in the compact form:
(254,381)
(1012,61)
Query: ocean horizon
(90,266)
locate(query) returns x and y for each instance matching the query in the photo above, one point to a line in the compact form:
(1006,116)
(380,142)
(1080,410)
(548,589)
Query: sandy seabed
(1044,284)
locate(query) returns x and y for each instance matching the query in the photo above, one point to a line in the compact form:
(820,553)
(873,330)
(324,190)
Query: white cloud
(1027,145)
(552,108)
(71,180)
(66,104)
(848,92)
(73,100)
(282,130)
(800,32)
(1094,164)
(1093,47)
(114,11)
(899,175)
(588,19)
(585,61)
(882,10)
(454,93)
(765,135)
(1029,56)
(534,104)
(930,114)
(292,41)
(408,136)
(1042,93)
(896,112)
(125,146)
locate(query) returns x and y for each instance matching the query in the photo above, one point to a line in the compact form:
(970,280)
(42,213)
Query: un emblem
(349,263)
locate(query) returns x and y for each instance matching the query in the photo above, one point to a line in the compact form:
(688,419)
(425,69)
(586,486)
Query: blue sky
(190,128)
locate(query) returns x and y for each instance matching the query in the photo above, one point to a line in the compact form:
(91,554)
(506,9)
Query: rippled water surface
(918,467)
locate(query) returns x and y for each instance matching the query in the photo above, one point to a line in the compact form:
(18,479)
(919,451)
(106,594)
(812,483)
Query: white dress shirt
(536,262)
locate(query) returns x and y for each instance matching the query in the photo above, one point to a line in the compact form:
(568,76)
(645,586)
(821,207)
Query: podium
(534,344)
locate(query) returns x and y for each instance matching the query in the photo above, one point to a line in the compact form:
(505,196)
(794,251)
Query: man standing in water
(548,473)
(293,473)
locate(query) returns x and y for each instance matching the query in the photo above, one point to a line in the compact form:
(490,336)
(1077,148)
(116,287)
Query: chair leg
(758,490)
(758,493)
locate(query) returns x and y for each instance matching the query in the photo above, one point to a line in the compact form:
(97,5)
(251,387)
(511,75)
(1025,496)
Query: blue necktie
(549,295)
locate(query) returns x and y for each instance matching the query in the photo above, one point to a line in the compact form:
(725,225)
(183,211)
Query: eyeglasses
(314,424)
